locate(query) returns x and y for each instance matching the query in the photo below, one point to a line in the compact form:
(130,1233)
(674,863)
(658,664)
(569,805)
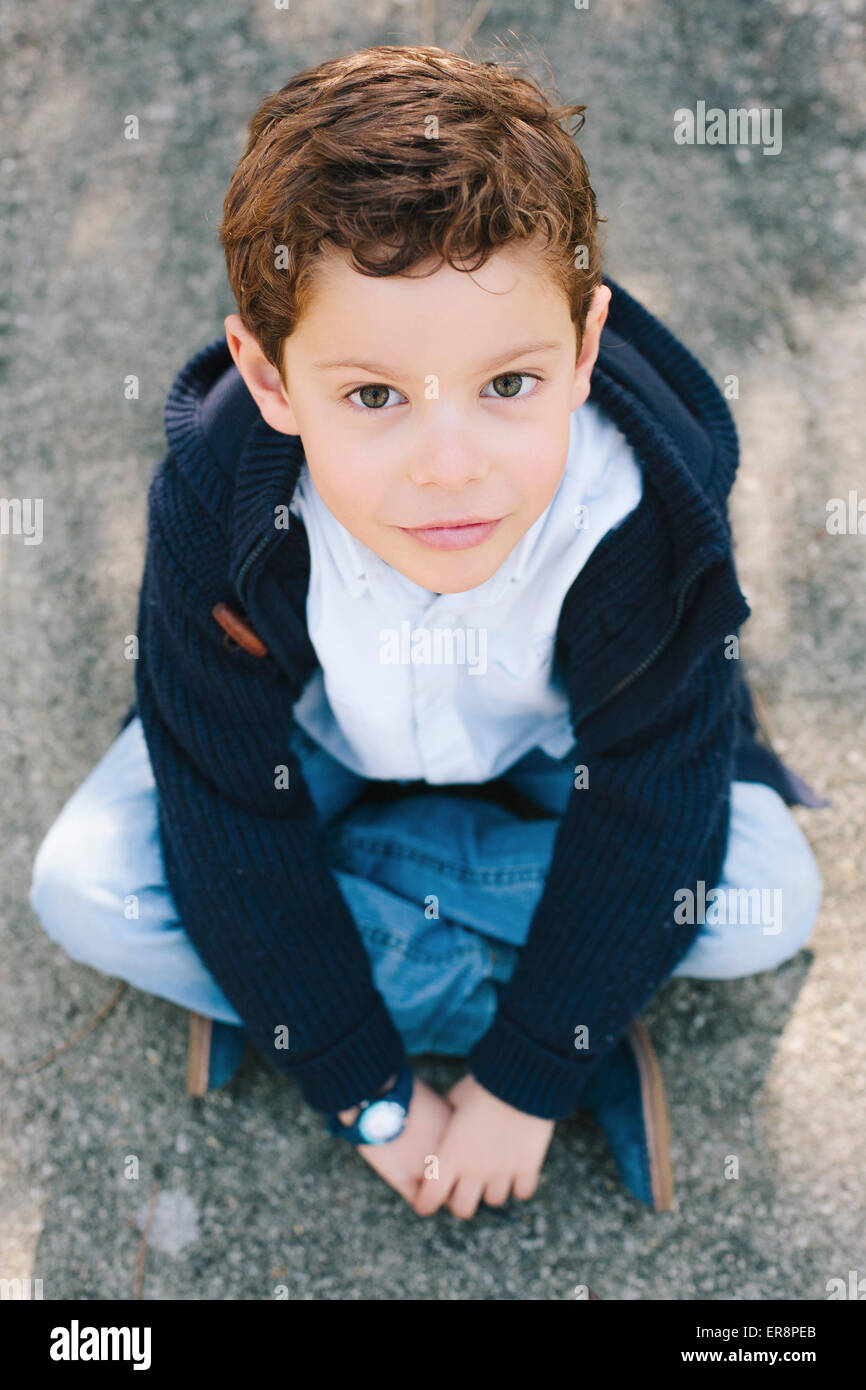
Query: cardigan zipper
(663,641)
(250,558)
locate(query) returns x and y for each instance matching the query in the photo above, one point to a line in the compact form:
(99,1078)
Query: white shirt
(455,687)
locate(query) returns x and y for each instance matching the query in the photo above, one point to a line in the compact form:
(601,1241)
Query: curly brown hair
(397,154)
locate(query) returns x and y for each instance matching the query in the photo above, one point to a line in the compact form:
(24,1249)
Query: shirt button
(494,955)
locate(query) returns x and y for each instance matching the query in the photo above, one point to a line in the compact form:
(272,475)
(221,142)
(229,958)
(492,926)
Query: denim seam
(444,1024)
(381,844)
(407,945)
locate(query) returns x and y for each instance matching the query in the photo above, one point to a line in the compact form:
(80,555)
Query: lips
(452,525)
(453,535)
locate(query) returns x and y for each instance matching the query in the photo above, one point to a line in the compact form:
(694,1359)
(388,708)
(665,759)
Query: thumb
(456,1094)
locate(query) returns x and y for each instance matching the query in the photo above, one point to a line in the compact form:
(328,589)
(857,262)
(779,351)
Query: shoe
(215,1052)
(626,1096)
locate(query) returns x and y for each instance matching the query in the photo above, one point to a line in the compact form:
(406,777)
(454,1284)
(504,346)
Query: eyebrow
(522,350)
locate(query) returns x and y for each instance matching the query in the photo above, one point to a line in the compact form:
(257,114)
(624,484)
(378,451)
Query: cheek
(350,491)
(350,474)
(538,472)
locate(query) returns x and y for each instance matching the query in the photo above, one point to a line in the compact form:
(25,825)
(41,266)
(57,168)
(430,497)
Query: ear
(596,315)
(262,379)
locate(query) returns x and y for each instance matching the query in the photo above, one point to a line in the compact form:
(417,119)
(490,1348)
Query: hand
(401,1161)
(489,1149)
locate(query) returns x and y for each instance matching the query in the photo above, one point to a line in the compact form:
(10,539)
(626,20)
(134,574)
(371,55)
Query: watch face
(381,1121)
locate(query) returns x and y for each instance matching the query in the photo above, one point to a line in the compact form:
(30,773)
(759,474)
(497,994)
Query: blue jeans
(439,974)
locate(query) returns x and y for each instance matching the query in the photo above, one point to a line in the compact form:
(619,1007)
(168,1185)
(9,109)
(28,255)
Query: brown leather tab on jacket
(238,630)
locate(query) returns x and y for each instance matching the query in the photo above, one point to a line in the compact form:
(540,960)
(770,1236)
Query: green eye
(507,386)
(374,397)
(511,383)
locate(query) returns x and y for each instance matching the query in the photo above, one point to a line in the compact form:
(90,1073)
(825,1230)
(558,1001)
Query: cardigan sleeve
(242,850)
(653,819)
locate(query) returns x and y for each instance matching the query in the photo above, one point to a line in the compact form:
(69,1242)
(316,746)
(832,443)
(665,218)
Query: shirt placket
(444,747)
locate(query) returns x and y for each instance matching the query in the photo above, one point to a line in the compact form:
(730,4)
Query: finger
(406,1185)
(411,1190)
(466,1196)
(497,1191)
(525,1185)
(431,1194)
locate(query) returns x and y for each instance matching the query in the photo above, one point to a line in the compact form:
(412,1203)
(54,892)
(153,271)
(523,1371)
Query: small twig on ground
(25,1068)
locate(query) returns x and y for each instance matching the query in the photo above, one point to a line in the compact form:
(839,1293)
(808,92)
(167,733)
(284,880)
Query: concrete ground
(110,266)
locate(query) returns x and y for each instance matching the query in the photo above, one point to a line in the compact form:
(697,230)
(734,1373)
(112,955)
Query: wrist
(348,1117)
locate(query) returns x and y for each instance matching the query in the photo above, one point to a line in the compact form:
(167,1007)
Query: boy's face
(439,408)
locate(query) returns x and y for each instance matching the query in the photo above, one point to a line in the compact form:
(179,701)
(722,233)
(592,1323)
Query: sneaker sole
(656,1121)
(198,1061)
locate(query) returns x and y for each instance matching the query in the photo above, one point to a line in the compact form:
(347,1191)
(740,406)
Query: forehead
(430,305)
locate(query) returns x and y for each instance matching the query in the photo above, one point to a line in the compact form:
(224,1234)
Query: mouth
(453,535)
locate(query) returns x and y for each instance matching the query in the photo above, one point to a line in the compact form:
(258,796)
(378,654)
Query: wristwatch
(381,1118)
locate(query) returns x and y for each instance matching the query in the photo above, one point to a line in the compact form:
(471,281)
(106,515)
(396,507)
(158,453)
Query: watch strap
(391,1102)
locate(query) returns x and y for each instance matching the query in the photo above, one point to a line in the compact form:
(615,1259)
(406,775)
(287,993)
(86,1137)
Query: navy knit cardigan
(662,716)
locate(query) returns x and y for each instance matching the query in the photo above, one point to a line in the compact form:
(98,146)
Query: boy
(446,509)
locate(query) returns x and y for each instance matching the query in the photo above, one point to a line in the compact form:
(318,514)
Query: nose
(446,453)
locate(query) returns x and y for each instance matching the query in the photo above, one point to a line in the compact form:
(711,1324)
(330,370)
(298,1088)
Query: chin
(469,577)
(453,572)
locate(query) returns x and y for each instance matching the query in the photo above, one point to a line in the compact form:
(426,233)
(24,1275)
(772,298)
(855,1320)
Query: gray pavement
(110,266)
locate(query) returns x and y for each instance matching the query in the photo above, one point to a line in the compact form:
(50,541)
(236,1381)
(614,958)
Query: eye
(511,384)
(508,386)
(373,397)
